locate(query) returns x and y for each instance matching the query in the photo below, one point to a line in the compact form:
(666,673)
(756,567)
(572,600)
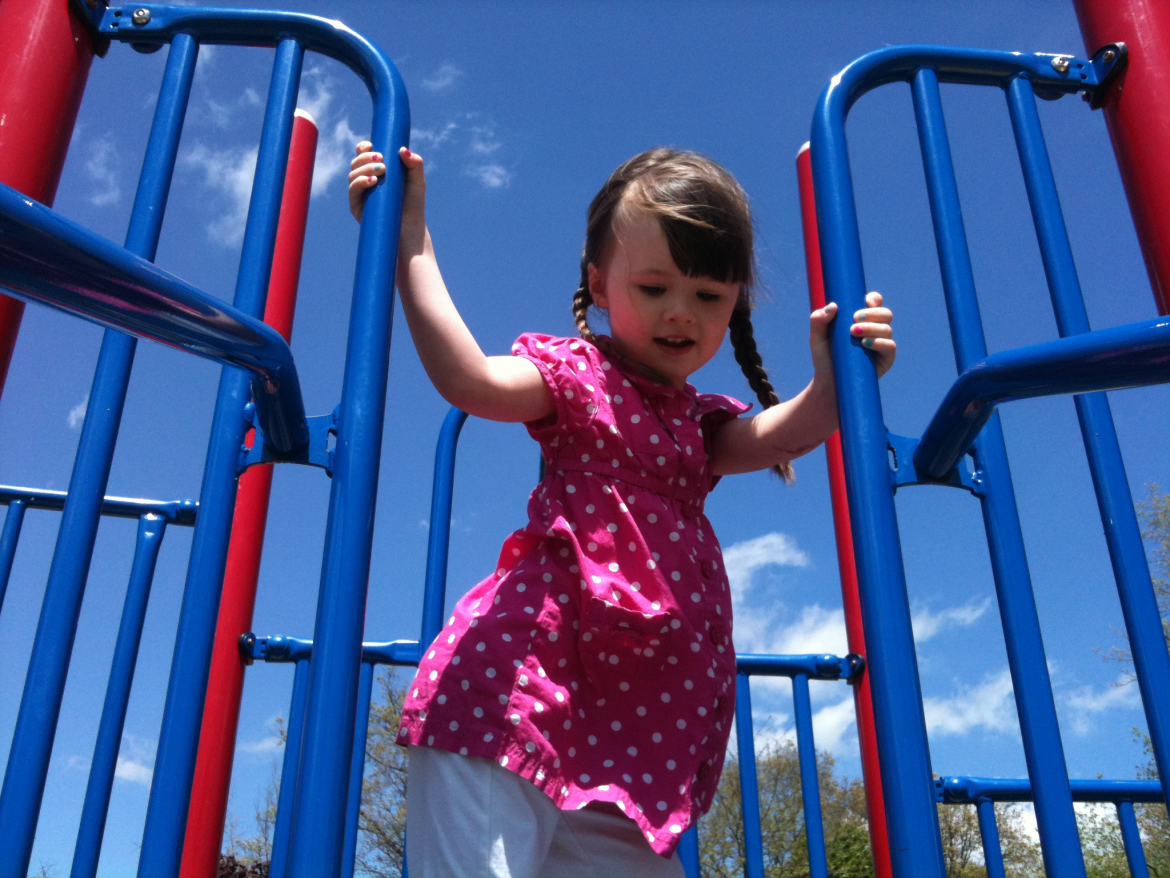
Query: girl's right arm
(497,388)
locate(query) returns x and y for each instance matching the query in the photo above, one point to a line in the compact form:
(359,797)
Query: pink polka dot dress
(596,662)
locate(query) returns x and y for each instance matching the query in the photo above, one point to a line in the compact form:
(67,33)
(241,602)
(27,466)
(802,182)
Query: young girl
(573,716)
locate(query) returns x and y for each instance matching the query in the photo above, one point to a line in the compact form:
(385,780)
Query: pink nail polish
(408,152)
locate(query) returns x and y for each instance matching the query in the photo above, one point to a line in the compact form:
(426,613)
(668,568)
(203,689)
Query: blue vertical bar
(36,724)
(9,537)
(166,816)
(341,605)
(286,804)
(989,832)
(357,770)
(749,790)
(151,529)
(688,852)
(1131,838)
(1043,749)
(907,780)
(810,787)
(1139,605)
(435,584)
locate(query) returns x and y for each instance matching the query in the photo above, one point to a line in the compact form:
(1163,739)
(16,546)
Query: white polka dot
(676,576)
(657,605)
(571,489)
(560,696)
(661,460)
(675,828)
(442,699)
(652,518)
(530,747)
(666,696)
(675,624)
(683,482)
(696,597)
(600,443)
(503,699)
(478,712)
(650,565)
(656,737)
(465,684)
(653,438)
(515,718)
(634,419)
(592,739)
(616,726)
(552,636)
(682,723)
(454,725)
(584,778)
(430,740)
(434,675)
(662,806)
(592,547)
(490,672)
(538,706)
(688,684)
(671,764)
(504,761)
(648,778)
(547,577)
(633,751)
(674,536)
(612,528)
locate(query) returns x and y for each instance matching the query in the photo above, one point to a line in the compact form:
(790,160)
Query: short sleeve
(715,410)
(569,368)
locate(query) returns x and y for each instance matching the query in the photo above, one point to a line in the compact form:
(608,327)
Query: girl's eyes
(651,290)
(705,296)
(654,290)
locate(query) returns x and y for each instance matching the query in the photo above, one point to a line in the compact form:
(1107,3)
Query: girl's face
(659,316)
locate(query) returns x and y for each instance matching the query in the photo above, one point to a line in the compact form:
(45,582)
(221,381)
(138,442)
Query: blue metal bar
(1138,603)
(968,790)
(285,806)
(32,742)
(753,847)
(166,816)
(174,511)
(688,852)
(435,584)
(1108,359)
(151,529)
(810,788)
(357,770)
(9,537)
(1033,690)
(1037,710)
(989,832)
(1131,838)
(815,667)
(341,606)
(282,650)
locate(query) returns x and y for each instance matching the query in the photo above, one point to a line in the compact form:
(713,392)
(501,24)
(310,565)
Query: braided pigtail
(582,299)
(743,342)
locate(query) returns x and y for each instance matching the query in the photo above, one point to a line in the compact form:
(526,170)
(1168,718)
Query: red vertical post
(225,684)
(862,700)
(45,54)
(1137,112)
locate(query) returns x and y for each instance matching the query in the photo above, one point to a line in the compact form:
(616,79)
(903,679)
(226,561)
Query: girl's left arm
(798,425)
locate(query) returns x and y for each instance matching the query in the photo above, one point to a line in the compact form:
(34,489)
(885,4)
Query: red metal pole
(1137,112)
(221,712)
(45,53)
(862,700)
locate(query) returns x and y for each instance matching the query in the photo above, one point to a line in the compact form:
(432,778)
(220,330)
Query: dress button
(717,635)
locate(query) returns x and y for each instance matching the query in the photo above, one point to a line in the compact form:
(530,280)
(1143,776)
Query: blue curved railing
(967,420)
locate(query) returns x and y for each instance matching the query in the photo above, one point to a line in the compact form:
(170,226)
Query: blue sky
(522,110)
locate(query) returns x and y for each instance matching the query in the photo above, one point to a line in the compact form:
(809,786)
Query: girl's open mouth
(675,344)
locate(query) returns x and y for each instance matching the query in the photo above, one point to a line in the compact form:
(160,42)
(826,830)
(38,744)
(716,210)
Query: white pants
(470,818)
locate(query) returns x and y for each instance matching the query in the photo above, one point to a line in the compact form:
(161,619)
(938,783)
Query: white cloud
(832,724)
(1087,701)
(483,139)
(333,154)
(269,744)
(101,166)
(989,705)
(444,77)
(927,624)
(76,416)
(136,760)
(229,172)
(491,176)
(742,560)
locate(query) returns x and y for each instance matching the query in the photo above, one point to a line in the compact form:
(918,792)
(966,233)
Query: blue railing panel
(32,742)
(9,537)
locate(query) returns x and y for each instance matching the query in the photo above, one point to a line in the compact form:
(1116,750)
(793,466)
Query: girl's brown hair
(705,216)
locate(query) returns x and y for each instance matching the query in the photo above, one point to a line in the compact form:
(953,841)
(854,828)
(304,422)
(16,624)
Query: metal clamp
(1110,60)
(318,451)
(903,471)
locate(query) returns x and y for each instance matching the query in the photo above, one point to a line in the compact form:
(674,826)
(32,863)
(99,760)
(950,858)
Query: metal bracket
(1110,60)
(903,472)
(319,451)
(90,14)
(128,19)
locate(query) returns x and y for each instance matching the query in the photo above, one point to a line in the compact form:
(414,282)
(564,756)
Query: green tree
(383,814)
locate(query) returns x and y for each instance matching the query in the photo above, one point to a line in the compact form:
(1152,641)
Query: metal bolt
(142,16)
(1109,56)
(1059,64)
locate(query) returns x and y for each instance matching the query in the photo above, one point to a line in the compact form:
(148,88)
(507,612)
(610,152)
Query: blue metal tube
(1108,359)
(810,787)
(815,667)
(337,639)
(688,852)
(357,770)
(989,832)
(753,838)
(166,816)
(1033,690)
(32,742)
(907,780)
(9,537)
(968,790)
(151,529)
(1138,603)
(438,544)
(285,805)
(1131,838)
(174,511)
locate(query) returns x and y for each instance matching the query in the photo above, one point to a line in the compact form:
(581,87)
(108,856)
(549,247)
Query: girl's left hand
(871,325)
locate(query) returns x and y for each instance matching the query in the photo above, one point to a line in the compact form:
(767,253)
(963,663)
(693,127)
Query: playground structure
(316,824)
